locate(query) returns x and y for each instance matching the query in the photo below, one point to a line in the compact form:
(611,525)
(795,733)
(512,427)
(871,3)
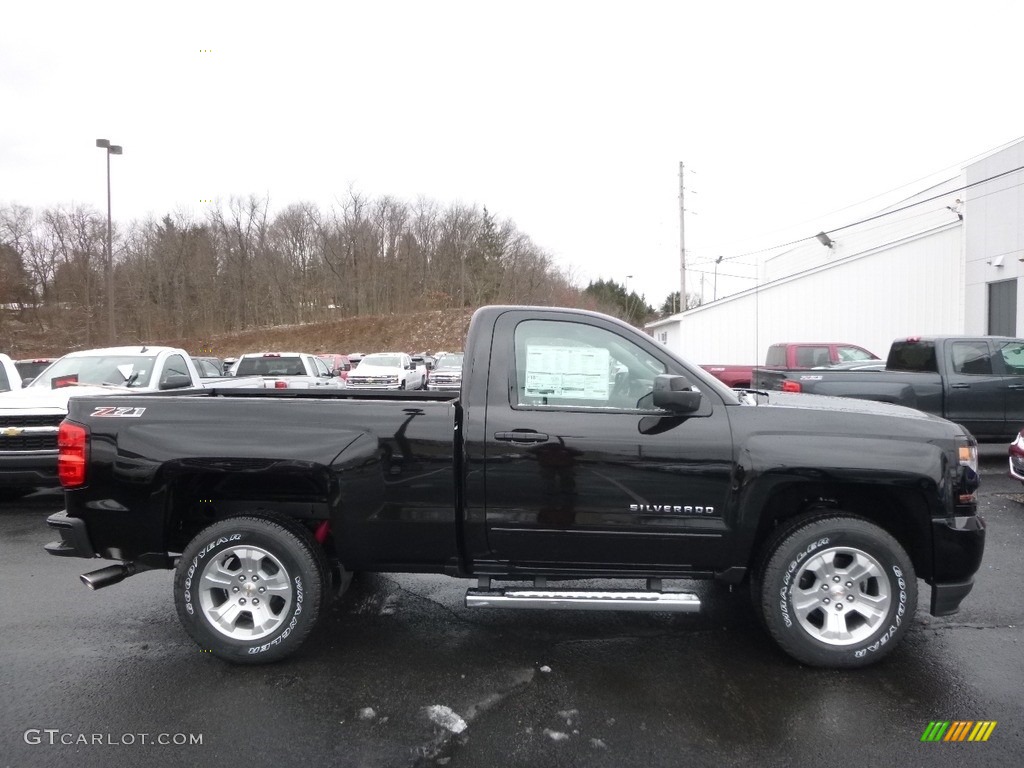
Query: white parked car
(387,370)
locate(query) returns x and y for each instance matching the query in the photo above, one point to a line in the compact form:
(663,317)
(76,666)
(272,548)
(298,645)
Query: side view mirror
(674,393)
(176,381)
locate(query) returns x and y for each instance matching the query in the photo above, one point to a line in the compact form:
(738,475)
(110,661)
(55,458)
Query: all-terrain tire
(835,591)
(250,589)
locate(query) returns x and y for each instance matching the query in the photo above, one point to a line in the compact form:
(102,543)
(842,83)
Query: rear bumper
(74,538)
(959,544)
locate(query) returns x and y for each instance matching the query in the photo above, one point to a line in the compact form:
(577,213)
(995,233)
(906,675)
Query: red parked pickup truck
(792,356)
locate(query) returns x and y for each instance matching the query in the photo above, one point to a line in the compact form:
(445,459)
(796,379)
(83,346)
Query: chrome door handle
(521,437)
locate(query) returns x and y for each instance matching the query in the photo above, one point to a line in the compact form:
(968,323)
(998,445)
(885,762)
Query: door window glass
(811,357)
(1013,357)
(574,365)
(972,358)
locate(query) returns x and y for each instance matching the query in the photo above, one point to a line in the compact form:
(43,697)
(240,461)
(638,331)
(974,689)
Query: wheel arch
(903,512)
(294,494)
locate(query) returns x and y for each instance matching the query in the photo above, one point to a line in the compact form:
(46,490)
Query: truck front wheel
(836,591)
(249,589)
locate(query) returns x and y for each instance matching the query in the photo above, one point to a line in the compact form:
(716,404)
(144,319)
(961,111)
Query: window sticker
(580,373)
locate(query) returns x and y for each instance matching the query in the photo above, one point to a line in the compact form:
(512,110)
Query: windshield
(390,361)
(118,370)
(449,361)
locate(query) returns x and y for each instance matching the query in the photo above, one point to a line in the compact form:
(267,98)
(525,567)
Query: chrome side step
(585,600)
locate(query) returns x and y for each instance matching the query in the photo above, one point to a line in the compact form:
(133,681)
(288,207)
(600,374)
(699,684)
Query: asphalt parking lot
(401,674)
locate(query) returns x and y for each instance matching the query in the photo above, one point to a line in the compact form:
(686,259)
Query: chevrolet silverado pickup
(31,416)
(978,382)
(388,371)
(577,449)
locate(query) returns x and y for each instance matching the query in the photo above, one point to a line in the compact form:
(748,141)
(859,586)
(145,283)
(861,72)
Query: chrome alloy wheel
(245,593)
(841,595)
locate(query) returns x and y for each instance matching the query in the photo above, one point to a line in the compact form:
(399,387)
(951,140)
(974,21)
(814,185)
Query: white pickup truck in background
(31,416)
(387,370)
(288,370)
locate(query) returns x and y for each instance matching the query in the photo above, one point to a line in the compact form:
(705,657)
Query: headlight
(967,455)
(967,450)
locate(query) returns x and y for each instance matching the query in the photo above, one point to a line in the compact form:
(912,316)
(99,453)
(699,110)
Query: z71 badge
(113,411)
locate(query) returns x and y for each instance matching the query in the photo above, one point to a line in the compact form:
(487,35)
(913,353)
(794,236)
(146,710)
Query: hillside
(414,332)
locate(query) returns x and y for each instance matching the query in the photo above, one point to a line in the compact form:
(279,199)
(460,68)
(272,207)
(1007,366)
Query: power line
(881,215)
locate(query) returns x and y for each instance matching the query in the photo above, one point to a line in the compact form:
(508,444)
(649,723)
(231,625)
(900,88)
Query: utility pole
(682,243)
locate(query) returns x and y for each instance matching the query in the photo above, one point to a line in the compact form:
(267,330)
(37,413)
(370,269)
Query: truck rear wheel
(836,591)
(249,589)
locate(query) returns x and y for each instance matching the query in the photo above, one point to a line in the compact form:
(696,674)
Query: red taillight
(791,386)
(72,448)
(280,385)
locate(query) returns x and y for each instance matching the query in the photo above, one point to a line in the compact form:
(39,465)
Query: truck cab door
(1010,354)
(975,388)
(582,471)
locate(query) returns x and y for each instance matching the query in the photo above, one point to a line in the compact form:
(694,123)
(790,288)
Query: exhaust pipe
(104,577)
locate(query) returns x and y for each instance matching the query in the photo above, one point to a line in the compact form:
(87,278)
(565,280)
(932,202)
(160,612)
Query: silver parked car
(447,373)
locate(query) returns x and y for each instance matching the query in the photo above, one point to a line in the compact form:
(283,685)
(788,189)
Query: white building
(943,261)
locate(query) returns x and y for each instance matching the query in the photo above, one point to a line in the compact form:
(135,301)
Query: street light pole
(717,262)
(112,149)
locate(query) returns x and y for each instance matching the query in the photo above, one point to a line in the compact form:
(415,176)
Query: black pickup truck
(578,448)
(977,381)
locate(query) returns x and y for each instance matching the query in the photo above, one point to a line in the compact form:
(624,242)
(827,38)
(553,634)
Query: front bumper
(959,545)
(30,470)
(74,538)
(1017,466)
(946,598)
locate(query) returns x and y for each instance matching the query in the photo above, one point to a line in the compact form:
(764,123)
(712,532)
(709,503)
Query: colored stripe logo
(958,730)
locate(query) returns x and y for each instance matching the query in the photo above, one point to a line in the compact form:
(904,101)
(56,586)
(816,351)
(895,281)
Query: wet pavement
(399,673)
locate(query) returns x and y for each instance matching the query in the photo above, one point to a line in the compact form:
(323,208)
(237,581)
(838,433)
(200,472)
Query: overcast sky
(570,118)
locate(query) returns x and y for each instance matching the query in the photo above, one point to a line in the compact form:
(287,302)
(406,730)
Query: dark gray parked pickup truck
(978,382)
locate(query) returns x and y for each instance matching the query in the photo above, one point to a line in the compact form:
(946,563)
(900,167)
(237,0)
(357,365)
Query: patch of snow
(556,735)
(446,718)
(568,715)
(598,744)
(546,669)
(367,713)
